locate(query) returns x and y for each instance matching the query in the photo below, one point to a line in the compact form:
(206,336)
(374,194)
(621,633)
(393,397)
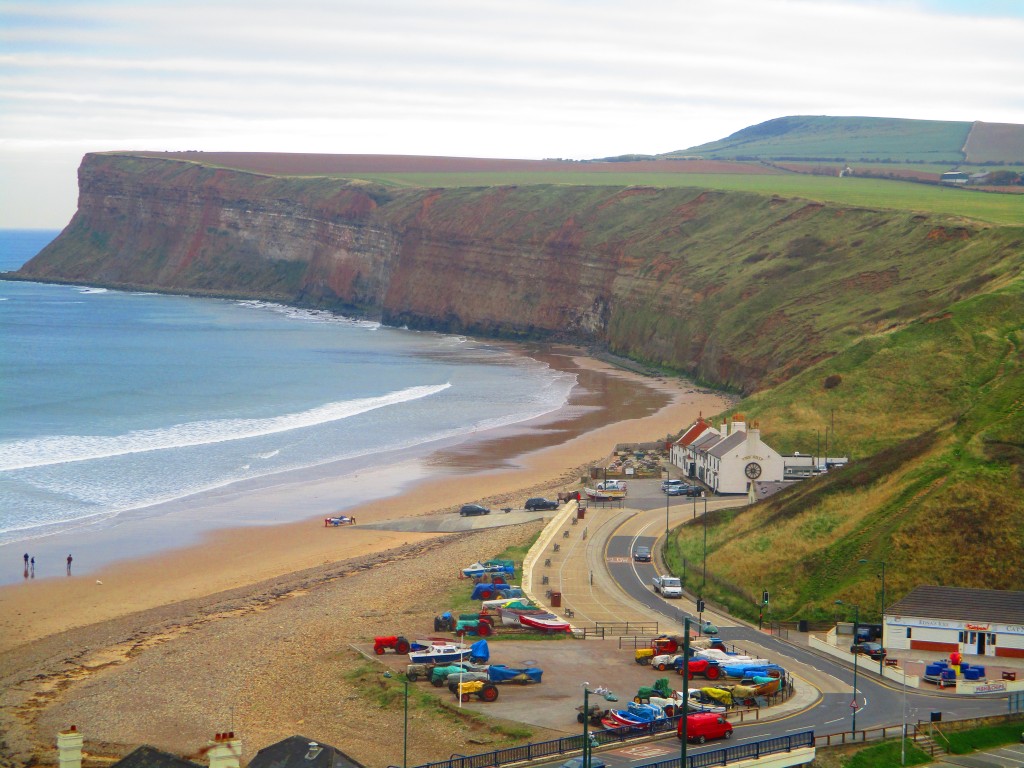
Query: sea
(117,402)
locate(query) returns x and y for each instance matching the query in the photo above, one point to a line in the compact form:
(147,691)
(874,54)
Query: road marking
(837,720)
(643,750)
(618,559)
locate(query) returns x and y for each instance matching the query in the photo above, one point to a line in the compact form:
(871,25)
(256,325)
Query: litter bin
(936,717)
(556,599)
(802,625)
(581,513)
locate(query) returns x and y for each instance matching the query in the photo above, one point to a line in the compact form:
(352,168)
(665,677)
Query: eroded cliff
(740,289)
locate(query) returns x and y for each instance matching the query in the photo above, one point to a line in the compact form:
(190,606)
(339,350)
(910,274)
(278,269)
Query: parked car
(874,650)
(677,490)
(473,509)
(642,554)
(701,727)
(538,502)
(666,484)
(578,762)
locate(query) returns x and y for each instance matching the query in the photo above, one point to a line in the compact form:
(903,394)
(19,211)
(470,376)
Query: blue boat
(437,653)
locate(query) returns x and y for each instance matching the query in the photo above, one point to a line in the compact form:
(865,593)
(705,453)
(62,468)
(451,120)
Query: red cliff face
(728,286)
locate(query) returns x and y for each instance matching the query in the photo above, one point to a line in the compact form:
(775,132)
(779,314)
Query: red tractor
(704,667)
(396,642)
(666,644)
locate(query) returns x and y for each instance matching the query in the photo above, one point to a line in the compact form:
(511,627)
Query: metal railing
(605,629)
(565,744)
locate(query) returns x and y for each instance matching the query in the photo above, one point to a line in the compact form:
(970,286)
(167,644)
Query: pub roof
(724,446)
(961,604)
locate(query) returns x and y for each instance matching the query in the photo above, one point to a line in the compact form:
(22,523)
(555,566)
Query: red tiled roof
(693,432)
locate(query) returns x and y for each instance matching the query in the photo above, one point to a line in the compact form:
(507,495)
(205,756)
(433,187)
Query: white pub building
(727,459)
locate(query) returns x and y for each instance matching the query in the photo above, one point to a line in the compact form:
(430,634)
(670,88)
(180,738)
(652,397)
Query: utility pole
(686,692)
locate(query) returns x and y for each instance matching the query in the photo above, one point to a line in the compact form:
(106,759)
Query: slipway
(453,523)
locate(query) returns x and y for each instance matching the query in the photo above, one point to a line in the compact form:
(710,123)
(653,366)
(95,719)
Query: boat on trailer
(608,490)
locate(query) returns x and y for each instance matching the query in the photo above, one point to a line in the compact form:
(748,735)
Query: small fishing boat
(607,490)
(438,653)
(546,622)
(645,716)
(491,566)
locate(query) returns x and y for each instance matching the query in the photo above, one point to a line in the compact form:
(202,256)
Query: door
(981,643)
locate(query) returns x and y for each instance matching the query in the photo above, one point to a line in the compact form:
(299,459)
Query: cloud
(527,79)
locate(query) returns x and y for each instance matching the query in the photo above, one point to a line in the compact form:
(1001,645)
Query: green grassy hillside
(933,415)
(814,137)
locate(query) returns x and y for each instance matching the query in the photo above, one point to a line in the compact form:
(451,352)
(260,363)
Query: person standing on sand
(69,565)
(26,561)
(32,564)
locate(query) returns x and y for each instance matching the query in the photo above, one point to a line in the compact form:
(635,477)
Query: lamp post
(853,704)
(405,726)
(704,576)
(881,611)
(587,746)
(686,691)
(668,476)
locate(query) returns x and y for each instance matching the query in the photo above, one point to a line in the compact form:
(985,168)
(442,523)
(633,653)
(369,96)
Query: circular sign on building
(753,470)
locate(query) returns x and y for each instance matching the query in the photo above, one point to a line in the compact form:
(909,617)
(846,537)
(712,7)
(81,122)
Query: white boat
(547,622)
(437,653)
(607,490)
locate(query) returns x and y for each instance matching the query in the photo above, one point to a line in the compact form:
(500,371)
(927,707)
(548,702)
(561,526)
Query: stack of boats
(607,490)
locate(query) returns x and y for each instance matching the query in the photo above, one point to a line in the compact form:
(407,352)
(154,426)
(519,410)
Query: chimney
(69,748)
(225,751)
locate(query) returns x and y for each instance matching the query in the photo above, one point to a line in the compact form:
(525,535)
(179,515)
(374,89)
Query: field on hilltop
(815,137)
(854,191)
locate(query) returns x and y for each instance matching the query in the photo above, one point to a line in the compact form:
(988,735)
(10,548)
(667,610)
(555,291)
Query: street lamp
(881,611)
(686,692)
(405,727)
(704,577)
(588,745)
(853,704)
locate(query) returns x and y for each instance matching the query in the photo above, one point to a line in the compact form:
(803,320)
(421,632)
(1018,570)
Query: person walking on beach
(69,565)
(26,561)
(32,567)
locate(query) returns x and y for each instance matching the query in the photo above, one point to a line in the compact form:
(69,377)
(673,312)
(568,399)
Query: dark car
(473,509)
(540,503)
(874,650)
(642,554)
(680,490)
(578,762)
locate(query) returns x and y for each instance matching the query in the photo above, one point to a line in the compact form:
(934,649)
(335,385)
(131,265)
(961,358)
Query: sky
(473,78)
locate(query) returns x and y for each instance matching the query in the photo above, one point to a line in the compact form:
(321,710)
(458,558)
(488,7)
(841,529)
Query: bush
(833,381)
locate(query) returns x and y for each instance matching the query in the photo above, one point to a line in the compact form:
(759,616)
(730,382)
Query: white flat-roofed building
(980,622)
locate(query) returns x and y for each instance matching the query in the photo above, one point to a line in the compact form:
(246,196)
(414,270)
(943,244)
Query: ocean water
(112,402)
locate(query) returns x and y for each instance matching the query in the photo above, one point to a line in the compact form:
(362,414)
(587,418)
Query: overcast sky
(519,78)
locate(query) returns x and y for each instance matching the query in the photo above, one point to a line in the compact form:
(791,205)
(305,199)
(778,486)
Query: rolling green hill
(853,139)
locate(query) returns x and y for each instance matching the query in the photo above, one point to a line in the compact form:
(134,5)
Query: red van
(703,726)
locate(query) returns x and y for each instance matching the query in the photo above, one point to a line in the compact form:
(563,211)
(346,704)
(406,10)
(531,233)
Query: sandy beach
(51,627)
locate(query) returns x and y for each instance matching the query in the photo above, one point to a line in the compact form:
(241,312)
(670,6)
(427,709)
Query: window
(961,637)
(909,630)
(991,638)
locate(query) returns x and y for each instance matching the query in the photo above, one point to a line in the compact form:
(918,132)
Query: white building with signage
(727,459)
(977,622)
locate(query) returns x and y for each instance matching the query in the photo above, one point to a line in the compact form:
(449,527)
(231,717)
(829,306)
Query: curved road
(878,703)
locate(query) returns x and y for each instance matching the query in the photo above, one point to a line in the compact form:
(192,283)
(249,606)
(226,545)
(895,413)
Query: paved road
(619,589)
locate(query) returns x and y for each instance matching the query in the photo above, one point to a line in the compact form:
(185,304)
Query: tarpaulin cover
(479,651)
(499,673)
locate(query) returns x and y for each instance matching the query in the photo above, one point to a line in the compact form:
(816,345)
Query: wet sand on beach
(77,617)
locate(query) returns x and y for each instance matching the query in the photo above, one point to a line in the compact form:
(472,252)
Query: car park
(469,510)
(538,502)
(874,650)
(642,554)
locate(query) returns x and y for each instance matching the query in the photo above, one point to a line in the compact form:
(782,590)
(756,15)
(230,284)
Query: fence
(565,744)
(605,629)
(1015,702)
